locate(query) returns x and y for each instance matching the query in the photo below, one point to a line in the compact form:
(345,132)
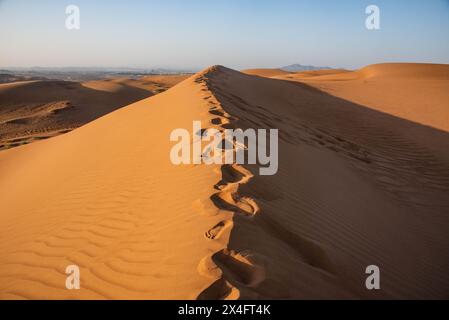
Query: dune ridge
(266,72)
(107,198)
(354,164)
(234,270)
(355,187)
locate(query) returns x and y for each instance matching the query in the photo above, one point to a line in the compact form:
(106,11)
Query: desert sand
(363,180)
(36,110)
(266,72)
(416,92)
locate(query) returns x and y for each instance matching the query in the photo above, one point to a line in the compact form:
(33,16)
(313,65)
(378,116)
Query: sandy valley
(36,110)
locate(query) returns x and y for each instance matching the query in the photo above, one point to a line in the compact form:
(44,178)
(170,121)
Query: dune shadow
(407,162)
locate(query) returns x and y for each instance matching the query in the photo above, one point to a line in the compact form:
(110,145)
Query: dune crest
(358,172)
(266,72)
(230,270)
(355,187)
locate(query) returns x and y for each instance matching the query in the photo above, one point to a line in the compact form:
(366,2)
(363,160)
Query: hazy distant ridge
(300,67)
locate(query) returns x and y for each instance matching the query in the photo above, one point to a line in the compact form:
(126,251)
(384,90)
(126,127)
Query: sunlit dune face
(360,183)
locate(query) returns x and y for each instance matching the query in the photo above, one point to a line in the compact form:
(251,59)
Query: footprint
(221,113)
(218,230)
(219,290)
(242,205)
(228,199)
(244,268)
(219,121)
(229,175)
(231,271)
(208,268)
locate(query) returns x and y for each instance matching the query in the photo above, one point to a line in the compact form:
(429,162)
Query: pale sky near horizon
(193,34)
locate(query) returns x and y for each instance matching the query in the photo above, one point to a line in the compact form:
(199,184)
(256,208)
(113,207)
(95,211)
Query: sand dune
(355,187)
(34,110)
(416,92)
(266,72)
(311,74)
(154,84)
(111,203)
(282,74)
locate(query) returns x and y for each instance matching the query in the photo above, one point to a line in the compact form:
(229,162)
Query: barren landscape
(39,109)
(363,180)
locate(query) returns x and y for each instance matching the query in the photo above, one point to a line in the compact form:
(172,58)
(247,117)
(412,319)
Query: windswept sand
(107,198)
(310,74)
(416,92)
(266,72)
(154,84)
(355,187)
(35,110)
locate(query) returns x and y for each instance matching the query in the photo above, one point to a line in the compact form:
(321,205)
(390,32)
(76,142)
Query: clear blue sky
(235,33)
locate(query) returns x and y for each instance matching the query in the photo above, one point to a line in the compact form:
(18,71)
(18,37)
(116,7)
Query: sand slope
(417,92)
(154,83)
(107,198)
(355,187)
(311,74)
(268,73)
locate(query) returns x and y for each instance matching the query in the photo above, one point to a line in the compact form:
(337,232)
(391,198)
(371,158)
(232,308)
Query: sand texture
(363,180)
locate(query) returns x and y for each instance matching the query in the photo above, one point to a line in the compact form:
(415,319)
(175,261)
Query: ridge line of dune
(230,270)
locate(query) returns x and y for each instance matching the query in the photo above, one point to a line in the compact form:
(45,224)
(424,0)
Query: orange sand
(357,185)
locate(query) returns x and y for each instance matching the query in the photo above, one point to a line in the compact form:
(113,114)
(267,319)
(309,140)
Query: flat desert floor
(363,180)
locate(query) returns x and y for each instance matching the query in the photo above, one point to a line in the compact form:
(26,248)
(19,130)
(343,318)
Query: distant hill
(300,67)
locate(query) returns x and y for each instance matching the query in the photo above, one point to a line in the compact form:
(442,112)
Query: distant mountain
(300,67)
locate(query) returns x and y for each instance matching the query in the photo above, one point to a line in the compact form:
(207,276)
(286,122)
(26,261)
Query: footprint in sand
(244,269)
(230,269)
(231,201)
(218,230)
